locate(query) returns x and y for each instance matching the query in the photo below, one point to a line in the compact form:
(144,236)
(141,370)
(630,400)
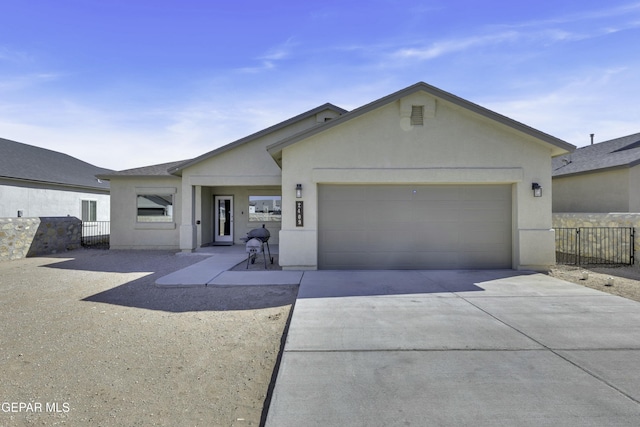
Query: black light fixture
(537,189)
(298,191)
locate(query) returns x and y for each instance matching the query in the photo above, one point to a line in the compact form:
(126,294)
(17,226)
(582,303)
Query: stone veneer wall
(575,220)
(24,237)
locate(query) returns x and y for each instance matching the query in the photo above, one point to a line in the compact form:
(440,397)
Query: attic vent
(628,147)
(417,115)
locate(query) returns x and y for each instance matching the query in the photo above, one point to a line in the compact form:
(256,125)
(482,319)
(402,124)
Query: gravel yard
(626,280)
(87,339)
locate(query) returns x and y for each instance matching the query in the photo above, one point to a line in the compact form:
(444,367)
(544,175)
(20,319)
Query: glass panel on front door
(224,217)
(223,221)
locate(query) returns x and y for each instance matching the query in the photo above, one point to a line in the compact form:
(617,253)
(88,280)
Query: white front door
(223,208)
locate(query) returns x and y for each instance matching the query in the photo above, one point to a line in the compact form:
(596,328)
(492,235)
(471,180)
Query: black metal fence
(95,234)
(595,246)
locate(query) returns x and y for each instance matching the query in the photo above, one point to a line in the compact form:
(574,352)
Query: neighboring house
(36,182)
(419,179)
(602,177)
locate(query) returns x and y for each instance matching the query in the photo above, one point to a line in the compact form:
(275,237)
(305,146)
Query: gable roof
(177,169)
(559,145)
(29,163)
(152,170)
(615,153)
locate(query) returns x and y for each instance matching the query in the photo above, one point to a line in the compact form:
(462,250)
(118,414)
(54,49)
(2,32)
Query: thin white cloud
(445,47)
(547,31)
(588,24)
(616,28)
(15,83)
(578,107)
(281,52)
(14,56)
(269,60)
(589,15)
(457,45)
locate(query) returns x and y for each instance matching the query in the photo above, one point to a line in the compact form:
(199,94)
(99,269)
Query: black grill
(262,235)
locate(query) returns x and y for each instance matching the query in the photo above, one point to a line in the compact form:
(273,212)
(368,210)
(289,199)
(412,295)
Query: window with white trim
(89,210)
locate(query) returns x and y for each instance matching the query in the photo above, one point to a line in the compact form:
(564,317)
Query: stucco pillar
(534,241)
(299,244)
(188,231)
(197,215)
(536,249)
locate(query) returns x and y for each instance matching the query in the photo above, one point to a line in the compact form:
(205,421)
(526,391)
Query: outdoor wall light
(537,189)
(298,190)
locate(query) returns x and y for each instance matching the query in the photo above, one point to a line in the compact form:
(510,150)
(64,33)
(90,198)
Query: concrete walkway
(213,270)
(457,348)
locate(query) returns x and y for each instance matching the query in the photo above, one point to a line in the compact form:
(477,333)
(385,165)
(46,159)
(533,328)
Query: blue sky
(122,84)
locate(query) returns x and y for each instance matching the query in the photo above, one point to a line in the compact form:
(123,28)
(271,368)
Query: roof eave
(60,184)
(598,170)
(110,177)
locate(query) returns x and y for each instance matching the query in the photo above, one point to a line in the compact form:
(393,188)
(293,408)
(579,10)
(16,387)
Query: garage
(414,226)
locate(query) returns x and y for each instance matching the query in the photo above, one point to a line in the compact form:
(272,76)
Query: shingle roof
(28,163)
(153,170)
(615,153)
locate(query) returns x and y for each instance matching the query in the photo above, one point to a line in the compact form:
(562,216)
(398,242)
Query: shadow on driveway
(338,284)
(126,267)
(140,291)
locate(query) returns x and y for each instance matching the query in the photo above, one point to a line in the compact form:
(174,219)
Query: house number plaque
(299,214)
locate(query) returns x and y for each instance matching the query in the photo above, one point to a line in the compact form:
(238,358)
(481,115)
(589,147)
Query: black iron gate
(595,246)
(95,234)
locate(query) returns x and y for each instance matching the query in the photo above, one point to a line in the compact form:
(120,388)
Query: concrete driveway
(433,348)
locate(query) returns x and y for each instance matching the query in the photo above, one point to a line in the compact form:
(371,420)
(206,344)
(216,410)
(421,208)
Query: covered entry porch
(222,215)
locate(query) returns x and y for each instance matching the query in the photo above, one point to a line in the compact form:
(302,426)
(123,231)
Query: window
(89,210)
(155,207)
(417,115)
(265,208)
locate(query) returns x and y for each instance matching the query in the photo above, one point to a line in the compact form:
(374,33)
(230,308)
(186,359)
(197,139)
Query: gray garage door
(414,227)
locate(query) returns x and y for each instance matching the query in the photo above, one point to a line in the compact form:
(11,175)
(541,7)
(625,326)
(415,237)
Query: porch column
(188,229)
(197,215)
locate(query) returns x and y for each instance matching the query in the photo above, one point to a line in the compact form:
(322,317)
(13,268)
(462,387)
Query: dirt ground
(625,280)
(87,339)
